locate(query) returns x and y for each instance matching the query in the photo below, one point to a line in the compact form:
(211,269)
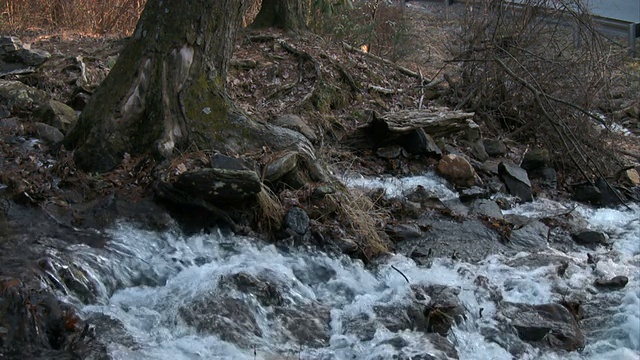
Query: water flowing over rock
(516,180)
(617,282)
(550,325)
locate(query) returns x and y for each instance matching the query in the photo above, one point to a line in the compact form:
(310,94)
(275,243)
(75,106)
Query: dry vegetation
(90,17)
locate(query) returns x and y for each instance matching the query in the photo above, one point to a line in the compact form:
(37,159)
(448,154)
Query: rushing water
(144,279)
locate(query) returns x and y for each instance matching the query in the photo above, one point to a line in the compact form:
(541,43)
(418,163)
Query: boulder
(418,142)
(442,308)
(231,319)
(49,133)
(457,170)
(533,235)
(590,238)
(516,180)
(600,193)
(16,59)
(295,123)
(230,182)
(617,282)
(15,95)
(58,115)
(536,159)
(307,325)
(494,147)
(544,325)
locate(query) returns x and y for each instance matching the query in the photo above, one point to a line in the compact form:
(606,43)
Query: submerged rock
(551,325)
(590,238)
(617,282)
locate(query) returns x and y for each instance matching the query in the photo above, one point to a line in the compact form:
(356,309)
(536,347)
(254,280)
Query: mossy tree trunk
(167,89)
(282,14)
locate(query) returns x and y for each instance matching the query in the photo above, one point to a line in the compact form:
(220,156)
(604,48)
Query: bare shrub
(522,73)
(85,16)
(379,26)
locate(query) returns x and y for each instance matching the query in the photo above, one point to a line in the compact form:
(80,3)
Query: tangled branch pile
(537,72)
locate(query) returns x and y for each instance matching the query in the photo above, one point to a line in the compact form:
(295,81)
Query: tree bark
(282,14)
(167,90)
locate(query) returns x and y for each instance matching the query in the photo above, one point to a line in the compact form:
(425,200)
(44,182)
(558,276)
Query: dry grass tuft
(271,209)
(360,215)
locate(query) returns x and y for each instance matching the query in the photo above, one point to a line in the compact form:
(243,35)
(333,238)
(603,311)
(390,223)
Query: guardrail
(616,27)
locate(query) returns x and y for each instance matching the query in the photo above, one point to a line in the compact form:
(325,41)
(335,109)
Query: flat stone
(487,208)
(516,180)
(531,236)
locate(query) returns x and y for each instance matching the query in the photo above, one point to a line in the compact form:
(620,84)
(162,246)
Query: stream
(166,295)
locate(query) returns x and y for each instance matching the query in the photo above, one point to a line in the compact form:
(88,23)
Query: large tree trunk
(167,90)
(283,14)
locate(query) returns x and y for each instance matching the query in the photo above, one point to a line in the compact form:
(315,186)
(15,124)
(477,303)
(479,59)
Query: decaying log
(435,121)
(388,127)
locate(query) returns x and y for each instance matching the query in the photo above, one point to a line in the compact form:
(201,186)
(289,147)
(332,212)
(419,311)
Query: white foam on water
(399,187)
(149,276)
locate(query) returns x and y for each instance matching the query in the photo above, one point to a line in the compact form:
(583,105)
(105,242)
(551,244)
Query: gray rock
(58,115)
(478,151)
(536,159)
(546,325)
(346,245)
(494,147)
(418,142)
(516,180)
(617,282)
(590,238)
(308,325)
(400,232)
(220,185)
(531,236)
(297,221)
(16,59)
(10,125)
(294,122)
(389,152)
(49,133)
(15,95)
(285,165)
(487,208)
